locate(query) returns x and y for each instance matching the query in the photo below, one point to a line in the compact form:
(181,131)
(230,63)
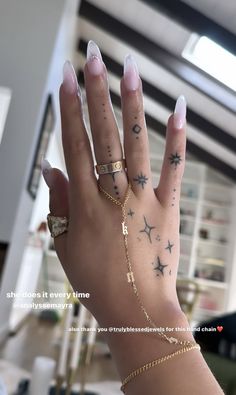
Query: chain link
(130,274)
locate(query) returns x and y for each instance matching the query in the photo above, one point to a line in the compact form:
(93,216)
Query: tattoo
(160,267)
(116,190)
(174,190)
(109,151)
(136,129)
(103,104)
(175,159)
(169,246)
(130,213)
(141,180)
(158,238)
(147,229)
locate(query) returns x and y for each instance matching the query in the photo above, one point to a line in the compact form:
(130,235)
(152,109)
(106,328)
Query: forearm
(182,374)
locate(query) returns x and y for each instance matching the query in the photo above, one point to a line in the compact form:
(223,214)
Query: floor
(43,338)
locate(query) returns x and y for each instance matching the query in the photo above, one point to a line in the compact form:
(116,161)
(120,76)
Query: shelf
(212,243)
(188,199)
(202,261)
(210,283)
(209,223)
(188,217)
(225,206)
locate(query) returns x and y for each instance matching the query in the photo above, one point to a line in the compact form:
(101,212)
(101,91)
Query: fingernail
(131,74)
(180,112)
(94,59)
(46,171)
(70,82)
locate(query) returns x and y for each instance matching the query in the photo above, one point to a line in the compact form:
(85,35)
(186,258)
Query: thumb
(58,202)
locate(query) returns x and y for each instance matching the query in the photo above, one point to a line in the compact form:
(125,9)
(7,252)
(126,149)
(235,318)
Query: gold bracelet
(154,363)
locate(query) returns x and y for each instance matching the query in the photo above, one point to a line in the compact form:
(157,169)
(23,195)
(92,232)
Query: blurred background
(181,47)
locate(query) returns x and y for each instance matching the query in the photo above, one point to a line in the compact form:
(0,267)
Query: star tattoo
(169,246)
(147,229)
(130,213)
(141,180)
(160,267)
(175,159)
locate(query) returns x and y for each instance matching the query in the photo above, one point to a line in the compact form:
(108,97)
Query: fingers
(168,191)
(77,150)
(105,133)
(135,132)
(58,202)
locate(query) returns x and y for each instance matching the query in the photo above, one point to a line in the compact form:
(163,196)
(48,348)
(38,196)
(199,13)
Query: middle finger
(105,133)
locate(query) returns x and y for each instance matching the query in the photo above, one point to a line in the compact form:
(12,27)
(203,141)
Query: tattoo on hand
(141,179)
(175,159)
(136,129)
(173,198)
(147,229)
(159,267)
(104,111)
(130,213)
(169,247)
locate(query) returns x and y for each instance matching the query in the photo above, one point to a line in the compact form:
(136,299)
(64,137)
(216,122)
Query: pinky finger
(168,191)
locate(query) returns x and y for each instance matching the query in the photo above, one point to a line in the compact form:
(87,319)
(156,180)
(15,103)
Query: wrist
(131,348)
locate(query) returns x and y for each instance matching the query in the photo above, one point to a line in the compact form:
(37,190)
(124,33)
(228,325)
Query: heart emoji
(220,328)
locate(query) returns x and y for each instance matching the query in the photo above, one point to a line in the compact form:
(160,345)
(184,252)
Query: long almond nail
(70,82)
(131,74)
(47,172)
(180,112)
(94,59)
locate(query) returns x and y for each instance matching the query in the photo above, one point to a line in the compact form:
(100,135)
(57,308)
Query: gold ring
(109,168)
(57,225)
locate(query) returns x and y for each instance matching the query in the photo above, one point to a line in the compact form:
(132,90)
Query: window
(212,58)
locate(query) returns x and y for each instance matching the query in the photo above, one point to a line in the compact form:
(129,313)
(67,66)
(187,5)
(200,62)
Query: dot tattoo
(147,229)
(136,129)
(160,267)
(169,247)
(173,198)
(141,179)
(130,213)
(175,159)
(158,238)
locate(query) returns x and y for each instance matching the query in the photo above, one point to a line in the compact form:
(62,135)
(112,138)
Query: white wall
(33,47)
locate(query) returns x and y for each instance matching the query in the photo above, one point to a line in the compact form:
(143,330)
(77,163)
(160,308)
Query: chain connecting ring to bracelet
(130,273)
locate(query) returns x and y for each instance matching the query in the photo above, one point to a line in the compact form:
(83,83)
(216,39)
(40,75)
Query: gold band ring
(109,168)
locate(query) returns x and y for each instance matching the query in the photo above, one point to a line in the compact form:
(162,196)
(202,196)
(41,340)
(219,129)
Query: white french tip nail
(131,73)
(70,81)
(45,165)
(180,112)
(93,50)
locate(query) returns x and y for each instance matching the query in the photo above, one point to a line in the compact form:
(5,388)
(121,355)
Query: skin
(92,251)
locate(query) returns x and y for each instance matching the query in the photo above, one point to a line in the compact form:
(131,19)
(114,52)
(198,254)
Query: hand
(92,252)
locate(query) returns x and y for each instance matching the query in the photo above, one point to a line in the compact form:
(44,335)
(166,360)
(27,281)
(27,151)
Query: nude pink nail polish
(46,170)
(94,59)
(131,74)
(180,112)
(70,82)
